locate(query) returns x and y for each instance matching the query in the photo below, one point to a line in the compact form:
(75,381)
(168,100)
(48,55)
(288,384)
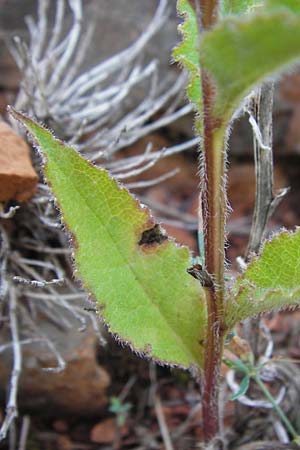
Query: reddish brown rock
(106,431)
(79,390)
(18,179)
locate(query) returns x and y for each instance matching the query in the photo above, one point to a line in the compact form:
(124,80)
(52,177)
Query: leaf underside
(138,277)
(241,51)
(271,281)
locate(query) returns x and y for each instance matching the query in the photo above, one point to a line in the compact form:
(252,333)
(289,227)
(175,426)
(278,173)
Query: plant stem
(277,408)
(213,212)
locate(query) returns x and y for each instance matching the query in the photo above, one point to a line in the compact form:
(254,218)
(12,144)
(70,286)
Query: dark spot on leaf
(152,236)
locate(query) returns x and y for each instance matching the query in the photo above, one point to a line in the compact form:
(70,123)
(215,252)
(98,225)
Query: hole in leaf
(153,236)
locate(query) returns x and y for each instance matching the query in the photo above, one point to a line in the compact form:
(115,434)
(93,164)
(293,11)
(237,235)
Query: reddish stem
(213,213)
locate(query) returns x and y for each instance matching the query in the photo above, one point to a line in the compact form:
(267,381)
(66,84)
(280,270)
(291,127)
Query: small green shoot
(252,372)
(120,410)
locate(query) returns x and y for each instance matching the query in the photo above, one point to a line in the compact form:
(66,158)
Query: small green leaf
(237,7)
(291,5)
(119,409)
(187,54)
(241,51)
(271,281)
(137,275)
(236,364)
(244,386)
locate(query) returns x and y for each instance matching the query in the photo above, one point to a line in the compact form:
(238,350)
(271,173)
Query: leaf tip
(17,115)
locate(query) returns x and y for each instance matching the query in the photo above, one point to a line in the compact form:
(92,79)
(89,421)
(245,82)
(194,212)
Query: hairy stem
(213,212)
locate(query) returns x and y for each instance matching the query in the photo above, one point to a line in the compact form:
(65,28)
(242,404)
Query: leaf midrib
(134,273)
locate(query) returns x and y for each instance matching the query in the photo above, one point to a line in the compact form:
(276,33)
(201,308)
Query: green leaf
(187,54)
(237,7)
(244,386)
(271,281)
(138,277)
(291,5)
(236,364)
(119,409)
(241,51)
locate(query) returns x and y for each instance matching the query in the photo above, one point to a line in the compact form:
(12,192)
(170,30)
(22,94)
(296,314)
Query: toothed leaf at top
(237,7)
(271,280)
(187,54)
(137,275)
(291,5)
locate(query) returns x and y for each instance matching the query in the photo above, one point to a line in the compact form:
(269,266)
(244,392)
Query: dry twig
(11,406)
(260,118)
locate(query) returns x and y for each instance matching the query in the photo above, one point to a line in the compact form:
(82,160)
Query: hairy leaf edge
(145,352)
